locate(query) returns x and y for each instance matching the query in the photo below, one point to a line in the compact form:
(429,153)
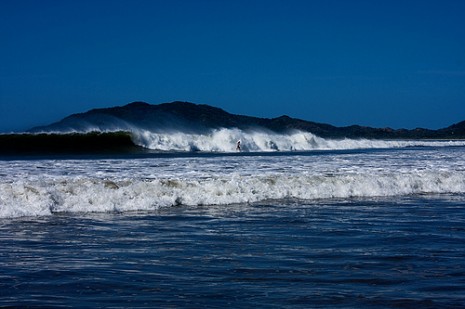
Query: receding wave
(86,194)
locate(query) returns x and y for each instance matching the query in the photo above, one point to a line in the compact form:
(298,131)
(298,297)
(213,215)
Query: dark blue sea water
(386,252)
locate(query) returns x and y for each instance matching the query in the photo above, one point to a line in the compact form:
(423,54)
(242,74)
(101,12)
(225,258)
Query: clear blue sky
(378,63)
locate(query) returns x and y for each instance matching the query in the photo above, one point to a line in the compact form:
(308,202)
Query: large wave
(224,140)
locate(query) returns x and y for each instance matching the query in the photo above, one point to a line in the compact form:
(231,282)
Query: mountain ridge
(191,117)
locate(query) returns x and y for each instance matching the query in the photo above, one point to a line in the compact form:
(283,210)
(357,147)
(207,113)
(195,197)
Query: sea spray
(224,140)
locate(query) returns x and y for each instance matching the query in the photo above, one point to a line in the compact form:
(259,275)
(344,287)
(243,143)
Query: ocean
(361,227)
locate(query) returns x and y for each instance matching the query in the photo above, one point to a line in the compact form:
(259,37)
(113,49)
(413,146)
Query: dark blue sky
(377,63)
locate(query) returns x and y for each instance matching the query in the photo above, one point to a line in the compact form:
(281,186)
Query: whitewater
(291,221)
(224,140)
(48,186)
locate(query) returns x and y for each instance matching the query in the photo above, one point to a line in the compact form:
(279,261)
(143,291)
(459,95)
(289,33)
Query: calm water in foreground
(362,253)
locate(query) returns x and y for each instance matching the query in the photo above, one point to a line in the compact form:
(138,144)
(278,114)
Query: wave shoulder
(68,143)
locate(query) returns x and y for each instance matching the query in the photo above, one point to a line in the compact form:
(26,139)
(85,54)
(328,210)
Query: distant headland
(190,117)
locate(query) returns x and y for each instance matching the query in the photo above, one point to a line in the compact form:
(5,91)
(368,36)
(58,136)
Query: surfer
(238,145)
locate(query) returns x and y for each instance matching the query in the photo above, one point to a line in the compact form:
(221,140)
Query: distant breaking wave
(224,140)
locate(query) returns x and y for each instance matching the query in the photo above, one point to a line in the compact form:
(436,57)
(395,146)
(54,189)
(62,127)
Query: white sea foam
(224,140)
(27,198)
(44,187)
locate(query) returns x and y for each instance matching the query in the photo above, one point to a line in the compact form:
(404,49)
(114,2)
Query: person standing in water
(238,145)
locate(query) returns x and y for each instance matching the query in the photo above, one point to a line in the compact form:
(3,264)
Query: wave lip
(224,140)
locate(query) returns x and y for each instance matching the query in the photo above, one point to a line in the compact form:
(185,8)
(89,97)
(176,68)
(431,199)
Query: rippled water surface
(392,252)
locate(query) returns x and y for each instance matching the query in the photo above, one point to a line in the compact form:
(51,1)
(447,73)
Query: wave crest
(224,140)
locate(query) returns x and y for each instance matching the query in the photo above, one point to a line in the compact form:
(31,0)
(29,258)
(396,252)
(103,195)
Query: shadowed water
(399,252)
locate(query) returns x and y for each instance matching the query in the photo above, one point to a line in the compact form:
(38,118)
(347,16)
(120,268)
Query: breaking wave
(217,140)
(224,140)
(70,195)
